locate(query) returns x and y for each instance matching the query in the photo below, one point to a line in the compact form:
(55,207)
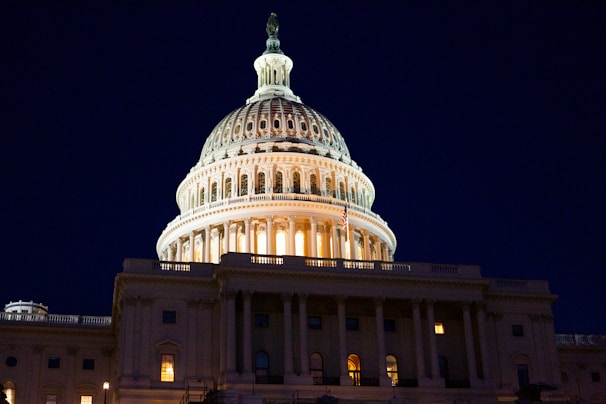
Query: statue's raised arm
(272,25)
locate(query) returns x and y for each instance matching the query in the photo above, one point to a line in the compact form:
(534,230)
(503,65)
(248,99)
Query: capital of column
(302,297)
(286,297)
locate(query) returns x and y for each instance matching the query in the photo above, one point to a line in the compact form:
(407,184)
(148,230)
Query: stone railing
(59,319)
(580,340)
(518,286)
(289,262)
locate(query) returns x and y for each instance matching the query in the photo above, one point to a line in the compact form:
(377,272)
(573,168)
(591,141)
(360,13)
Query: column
(343,243)
(230,347)
(539,343)
(291,236)
(192,246)
(469,345)
(420,357)
(170,252)
(314,237)
(288,359)
(269,231)
(481,318)
(384,380)
(334,240)
(433,346)
(191,328)
(206,244)
(247,332)
(353,251)
(304,366)
(246,235)
(179,250)
(344,376)
(367,246)
(225,238)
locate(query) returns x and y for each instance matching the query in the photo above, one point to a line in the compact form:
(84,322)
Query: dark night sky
(481,125)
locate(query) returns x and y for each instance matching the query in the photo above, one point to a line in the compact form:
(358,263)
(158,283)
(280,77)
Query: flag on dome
(344,217)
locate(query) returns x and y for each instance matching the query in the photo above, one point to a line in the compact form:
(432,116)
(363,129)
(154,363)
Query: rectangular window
(523,378)
(169,317)
(54,362)
(86,399)
(50,399)
(439,328)
(595,377)
(167,372)
(352,324)
(314,322)
(517,330)
(389,325)
(262,320)
(88,364)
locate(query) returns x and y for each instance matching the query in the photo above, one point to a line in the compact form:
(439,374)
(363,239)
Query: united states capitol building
(276,283)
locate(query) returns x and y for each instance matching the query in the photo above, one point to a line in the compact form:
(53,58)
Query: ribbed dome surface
(274,120)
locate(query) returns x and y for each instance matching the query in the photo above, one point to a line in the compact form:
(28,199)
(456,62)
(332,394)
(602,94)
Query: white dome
(275,177)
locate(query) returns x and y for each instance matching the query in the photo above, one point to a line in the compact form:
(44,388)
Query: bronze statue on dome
(272,25)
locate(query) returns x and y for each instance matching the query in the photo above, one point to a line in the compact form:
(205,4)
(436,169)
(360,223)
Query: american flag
(344,217)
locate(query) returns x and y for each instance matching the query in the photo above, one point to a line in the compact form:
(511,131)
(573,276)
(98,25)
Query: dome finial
(272,43)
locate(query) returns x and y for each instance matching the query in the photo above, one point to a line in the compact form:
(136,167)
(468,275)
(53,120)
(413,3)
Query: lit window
(54,363)
(167,372)
(88,364)
(9,390)
(261,243)
(86,399)
(439,327)
(281,242)
(517,330)
(50,399)
(392,369)
(169,317)
(299,243)
(353,367)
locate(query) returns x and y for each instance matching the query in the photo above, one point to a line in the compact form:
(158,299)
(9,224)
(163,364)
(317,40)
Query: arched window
(300,243)
(353,195)
(276,123)
(260,183)
(353,367)
(213,192)
(314,184)
(316,368)
(263,124)
(262,367)
(244,185)
(296,182)
(261,243)
(303,126)
(279,183)
(280,242)
(290,123)
(341,191)
(329,187)
(227,188)
(9,390)
(392,369)
(202,196)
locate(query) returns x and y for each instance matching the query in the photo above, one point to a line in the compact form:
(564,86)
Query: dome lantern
(273,68)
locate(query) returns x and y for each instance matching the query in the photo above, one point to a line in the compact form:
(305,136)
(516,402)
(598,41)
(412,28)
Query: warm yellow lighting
(299,243)
(281,242)
(439,327)
(105,385)
(167,372)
